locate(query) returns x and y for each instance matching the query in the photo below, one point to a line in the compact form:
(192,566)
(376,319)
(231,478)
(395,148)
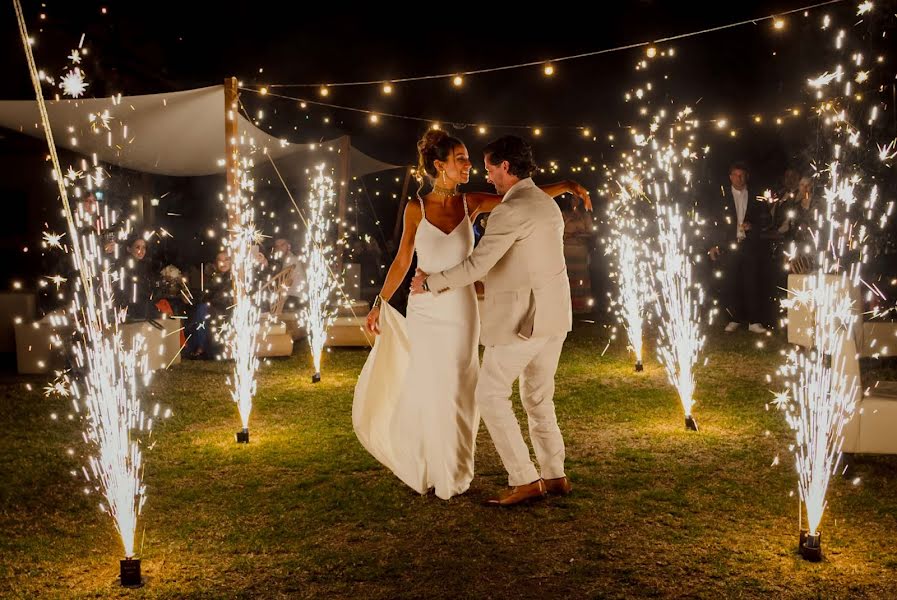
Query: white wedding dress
(414,407)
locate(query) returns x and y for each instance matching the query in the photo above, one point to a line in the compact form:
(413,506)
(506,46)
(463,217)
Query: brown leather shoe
(520,494)
(558,487)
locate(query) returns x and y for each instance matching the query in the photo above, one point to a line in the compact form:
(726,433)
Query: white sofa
(15,307)
(348,328)
(275,338)
(163,346)
(873,429)
(39,343)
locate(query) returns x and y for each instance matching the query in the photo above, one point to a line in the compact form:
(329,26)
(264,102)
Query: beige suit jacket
(520,261)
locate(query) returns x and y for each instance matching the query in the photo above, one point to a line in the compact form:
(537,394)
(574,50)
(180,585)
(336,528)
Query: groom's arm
(501,232)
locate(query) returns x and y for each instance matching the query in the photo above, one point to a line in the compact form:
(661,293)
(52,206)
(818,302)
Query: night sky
(140,48)
(145,48)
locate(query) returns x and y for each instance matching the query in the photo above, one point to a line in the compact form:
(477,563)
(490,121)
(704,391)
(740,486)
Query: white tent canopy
(178,134)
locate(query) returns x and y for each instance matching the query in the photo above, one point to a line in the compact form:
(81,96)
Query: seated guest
(283,256)
(214,300)
(137,281)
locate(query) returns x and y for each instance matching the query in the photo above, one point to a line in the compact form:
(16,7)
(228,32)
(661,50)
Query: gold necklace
(445,192)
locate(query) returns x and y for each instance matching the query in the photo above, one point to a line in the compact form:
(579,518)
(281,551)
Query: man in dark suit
(739,249)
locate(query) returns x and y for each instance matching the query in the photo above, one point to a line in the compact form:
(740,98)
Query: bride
(414,407)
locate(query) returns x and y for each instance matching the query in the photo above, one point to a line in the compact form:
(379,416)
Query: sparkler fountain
(658,171)
(320,254)
(242,333)
(821,397)
(108,373)
(630,269)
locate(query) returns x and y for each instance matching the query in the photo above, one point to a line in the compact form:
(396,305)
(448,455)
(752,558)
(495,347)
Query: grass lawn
(304,511)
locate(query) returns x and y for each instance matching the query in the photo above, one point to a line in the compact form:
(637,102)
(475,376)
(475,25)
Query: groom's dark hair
(516,151)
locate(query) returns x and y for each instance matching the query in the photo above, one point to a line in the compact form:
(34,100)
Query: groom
(525,319)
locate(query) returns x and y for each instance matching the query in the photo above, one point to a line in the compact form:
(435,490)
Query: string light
(722,124)
(651,43)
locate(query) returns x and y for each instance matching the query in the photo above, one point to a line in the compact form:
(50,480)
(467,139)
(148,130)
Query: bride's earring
(444,184)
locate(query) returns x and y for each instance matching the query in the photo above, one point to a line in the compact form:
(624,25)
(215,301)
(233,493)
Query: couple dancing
(420,395)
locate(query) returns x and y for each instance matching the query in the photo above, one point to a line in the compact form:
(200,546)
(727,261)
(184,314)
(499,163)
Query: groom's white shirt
(520,261)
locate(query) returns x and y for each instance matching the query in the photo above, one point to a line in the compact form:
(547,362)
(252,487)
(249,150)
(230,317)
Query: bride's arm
(482,202)
(400,264)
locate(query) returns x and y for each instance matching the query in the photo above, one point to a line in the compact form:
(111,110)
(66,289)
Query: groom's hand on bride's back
(417,282)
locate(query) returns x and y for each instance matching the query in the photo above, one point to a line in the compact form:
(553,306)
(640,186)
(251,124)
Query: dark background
(136,48)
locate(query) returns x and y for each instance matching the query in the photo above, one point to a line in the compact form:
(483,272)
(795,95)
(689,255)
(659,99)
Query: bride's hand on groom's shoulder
(582,193)
(373,321)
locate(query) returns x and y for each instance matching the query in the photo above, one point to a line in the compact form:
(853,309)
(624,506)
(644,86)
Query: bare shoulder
(413,211)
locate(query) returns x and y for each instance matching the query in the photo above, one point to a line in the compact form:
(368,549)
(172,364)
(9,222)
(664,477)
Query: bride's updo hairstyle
(435,144)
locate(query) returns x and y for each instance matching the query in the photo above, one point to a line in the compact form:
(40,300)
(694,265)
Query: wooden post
(147,212)
(231,161)
(400,216)
(231,131)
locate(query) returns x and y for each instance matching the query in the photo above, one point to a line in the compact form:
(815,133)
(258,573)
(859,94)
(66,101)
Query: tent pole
(147,191)
(342,196)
